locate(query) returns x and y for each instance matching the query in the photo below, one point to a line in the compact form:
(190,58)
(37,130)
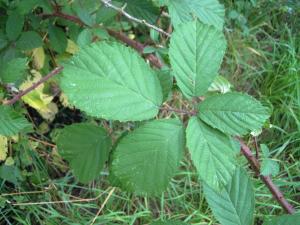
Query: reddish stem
(277,194)
(34,86)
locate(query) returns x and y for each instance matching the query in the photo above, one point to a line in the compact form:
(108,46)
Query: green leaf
(106,15)
(14,25)
(161,2)
(3,43)
(146,159)
(196,53)
(166,82)
(171,222)
(86,147)
(220,84)
(11,122)
(269,167)
(29,40)
(233,113)
(234,205)
(210,12)
(85,16)
(265,150)
(26,6)
(13,71)
(58,39)
(10,173)
(284,220)
(85,37)
(113,82)
(141,9)
(211,152)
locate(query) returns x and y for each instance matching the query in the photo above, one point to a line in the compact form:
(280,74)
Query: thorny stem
(154,61)
(118,35)
(277,194)
(245,150)
(130,17)
(34,86)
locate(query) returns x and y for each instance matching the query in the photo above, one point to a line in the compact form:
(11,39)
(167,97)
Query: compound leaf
(196,53)
(211,152)
(113,82)
(234,205)
(233,113)
(141,9)
(146,159)
(86,147)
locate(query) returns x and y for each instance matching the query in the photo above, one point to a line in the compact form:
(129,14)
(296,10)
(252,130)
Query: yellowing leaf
(64,101)
(9,161)
(39,100)
(72,47)
(52,109)
(38,55)
(3,148)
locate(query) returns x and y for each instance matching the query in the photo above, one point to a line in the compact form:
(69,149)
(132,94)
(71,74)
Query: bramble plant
(115,81)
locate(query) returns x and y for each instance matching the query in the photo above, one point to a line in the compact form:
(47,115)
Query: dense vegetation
(135,112)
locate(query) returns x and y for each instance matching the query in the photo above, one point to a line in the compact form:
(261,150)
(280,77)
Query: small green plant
(113,85)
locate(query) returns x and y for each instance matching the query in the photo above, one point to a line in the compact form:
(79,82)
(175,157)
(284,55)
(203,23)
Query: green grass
(263,60)
(266,63)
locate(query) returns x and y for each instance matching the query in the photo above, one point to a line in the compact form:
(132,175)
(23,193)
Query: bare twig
(130,17)
(277,194)
(24,193)
(35,85)
(42,142)
(103,204)
(56,202)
